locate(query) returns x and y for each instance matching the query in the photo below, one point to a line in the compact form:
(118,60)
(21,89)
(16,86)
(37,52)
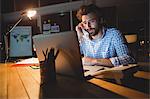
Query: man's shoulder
(112,31)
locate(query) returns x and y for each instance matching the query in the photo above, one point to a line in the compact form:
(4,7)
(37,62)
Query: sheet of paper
(29,61)
(90,70)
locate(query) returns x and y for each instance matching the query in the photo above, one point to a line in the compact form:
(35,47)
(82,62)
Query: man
(100,45)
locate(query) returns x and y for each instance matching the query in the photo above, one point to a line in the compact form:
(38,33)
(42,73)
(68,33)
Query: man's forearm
(104,62)
(97,61)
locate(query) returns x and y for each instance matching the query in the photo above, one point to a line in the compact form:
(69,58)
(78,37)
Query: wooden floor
(24,83)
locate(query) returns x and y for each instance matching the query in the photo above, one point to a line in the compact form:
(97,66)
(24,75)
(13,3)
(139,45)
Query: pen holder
(47,68)
(48,74)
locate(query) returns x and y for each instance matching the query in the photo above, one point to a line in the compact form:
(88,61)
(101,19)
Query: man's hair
(86,9)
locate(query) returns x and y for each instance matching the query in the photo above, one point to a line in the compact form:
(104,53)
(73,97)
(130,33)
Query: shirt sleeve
(82,40)
(122,51)
(81,49)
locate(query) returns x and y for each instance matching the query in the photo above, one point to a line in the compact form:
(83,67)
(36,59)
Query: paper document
(27,62)
(91,70)
(101,71)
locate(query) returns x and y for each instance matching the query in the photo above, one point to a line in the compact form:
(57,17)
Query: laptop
(68,61)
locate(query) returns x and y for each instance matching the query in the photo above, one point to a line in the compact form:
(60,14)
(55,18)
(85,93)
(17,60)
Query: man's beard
(93,31)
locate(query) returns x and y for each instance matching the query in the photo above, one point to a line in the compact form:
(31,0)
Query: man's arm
(95,61)
(123,53)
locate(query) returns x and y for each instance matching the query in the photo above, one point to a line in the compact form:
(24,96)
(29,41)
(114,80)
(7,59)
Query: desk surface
(24,83)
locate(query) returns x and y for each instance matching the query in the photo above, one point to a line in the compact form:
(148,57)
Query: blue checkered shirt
(111,45)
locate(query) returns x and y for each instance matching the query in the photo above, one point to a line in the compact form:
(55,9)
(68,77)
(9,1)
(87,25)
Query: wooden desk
(24,83)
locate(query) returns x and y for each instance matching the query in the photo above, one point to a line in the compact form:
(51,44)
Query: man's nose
(88,24)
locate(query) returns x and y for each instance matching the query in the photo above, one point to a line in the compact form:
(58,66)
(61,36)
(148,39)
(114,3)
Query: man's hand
(79,31)
(82,32)
(79,27)
(89,61)
(94,61)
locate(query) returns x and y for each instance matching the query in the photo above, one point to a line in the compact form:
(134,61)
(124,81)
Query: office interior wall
(0,31)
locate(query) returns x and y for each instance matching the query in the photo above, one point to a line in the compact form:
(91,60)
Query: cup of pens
(47,68)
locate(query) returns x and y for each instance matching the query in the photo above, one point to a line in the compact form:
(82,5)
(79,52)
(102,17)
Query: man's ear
(100,22)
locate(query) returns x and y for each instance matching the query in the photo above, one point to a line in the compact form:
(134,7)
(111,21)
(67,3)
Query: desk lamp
(29,14)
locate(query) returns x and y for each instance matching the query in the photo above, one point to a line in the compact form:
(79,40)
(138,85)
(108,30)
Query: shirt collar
(98,36)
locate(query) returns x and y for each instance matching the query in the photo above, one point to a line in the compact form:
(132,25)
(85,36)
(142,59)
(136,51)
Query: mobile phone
(85,33)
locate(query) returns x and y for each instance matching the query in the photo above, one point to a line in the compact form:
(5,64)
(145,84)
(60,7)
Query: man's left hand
(88,61)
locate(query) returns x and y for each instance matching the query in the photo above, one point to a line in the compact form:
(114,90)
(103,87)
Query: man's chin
(92,34)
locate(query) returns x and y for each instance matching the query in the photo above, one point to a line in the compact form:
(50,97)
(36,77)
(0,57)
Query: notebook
(68,62)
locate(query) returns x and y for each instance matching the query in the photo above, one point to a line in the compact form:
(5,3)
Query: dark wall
(62,20)
(17,5)
(0,31)
(7,6)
